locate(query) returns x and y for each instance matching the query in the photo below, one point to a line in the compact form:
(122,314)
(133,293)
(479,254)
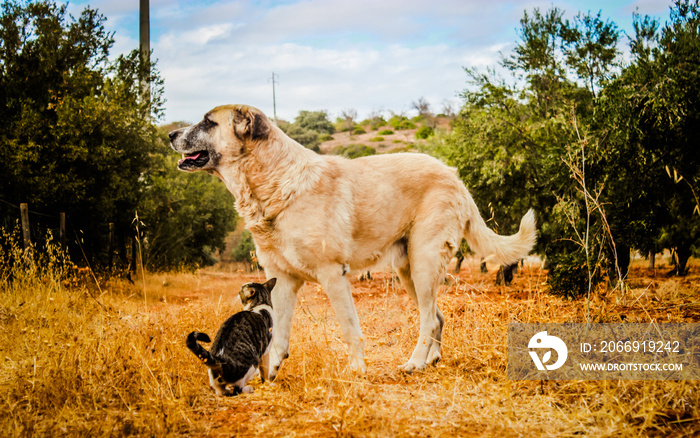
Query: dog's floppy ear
(260,128)
(249,123)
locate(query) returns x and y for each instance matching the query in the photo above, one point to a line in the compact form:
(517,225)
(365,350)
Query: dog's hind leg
(430,327)
(284,297)
(407,282)
(337,287)
(428,256)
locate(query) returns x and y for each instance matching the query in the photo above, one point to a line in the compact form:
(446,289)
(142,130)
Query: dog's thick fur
(320,218)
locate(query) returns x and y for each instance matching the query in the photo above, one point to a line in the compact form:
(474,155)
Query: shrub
(401,122)
(357,130)
(424,132)
(401,149)
(354,151)
(386,132)
(568,275)
(308,138)
(315,121)
(379,138)
(245,250)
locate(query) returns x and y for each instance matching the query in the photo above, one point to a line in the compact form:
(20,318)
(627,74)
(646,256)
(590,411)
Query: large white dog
(320,218)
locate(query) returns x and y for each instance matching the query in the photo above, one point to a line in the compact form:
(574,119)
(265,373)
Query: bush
(424,132)
(568,275)
(401,149)
(245,250)
(354,151)
(315,121)
(401,122)
(306,137)
(357,130)
(377,139)
(184,217)
(386,132)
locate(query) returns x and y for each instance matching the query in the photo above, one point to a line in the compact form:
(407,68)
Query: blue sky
(367,55)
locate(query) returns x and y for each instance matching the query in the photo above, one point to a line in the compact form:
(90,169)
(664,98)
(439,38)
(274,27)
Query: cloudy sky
(367,55)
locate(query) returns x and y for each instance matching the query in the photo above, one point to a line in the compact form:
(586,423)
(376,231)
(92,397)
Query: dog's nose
(173,135)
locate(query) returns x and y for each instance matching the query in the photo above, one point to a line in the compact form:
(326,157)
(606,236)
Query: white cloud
(329,54)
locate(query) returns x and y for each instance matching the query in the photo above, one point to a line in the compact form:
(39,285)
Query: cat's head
(255,294)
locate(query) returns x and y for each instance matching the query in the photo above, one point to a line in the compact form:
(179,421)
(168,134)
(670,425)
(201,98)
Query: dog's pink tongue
(189,157)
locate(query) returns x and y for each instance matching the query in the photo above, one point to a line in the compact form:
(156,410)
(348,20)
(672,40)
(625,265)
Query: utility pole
(145,49)
(274,101)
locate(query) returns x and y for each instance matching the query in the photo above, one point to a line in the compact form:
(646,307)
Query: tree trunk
(623,262)
(652,259)
(681,256)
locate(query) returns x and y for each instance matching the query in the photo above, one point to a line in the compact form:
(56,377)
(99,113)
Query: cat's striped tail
(198,350)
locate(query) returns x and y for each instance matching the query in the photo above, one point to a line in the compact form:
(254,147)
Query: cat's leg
(241,384)
(337,286)
(284,297)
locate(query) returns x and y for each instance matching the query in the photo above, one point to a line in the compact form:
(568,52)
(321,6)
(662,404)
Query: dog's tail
(505,250)
(198,350)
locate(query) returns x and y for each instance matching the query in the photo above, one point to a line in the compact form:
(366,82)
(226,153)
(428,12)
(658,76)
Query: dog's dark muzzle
(194,160)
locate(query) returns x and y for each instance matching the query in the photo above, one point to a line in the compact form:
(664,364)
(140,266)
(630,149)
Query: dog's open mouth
(193,160)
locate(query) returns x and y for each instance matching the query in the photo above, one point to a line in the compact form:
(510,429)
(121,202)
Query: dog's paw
(434,358)
(357,366)
(411,367)
(247,389)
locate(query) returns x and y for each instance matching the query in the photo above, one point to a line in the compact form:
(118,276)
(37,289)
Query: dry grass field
(83,361)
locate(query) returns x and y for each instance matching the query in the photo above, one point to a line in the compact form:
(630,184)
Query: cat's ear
(270,284)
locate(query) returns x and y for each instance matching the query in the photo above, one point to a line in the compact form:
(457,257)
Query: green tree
(315,121)
(308,127)
(648,118)
(537,57)
(78,138)
(245,250)
(512,140)
(71,122)
(590,47)
(306,137)
(186,217)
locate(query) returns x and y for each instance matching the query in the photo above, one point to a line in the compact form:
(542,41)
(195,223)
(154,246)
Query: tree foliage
(308,127)
(186,217)
(607,156)
(78,135)
(647,119)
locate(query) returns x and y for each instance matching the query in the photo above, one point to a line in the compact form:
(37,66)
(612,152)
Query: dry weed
(72,367)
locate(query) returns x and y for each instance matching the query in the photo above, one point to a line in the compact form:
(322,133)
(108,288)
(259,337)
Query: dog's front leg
(337,287)
(284,297)
(265,367)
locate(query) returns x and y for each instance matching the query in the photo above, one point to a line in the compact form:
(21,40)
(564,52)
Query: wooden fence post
(26,235)
(62,229)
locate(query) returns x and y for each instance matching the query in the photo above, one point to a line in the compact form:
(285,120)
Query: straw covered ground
(83,361)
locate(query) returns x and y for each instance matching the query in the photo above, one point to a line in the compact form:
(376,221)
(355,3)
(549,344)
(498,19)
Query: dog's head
(226,132)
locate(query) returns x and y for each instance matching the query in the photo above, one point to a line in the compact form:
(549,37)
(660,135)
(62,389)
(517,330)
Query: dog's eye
(208,122)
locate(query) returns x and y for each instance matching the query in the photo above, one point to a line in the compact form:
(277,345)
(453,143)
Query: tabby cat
(241,345)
